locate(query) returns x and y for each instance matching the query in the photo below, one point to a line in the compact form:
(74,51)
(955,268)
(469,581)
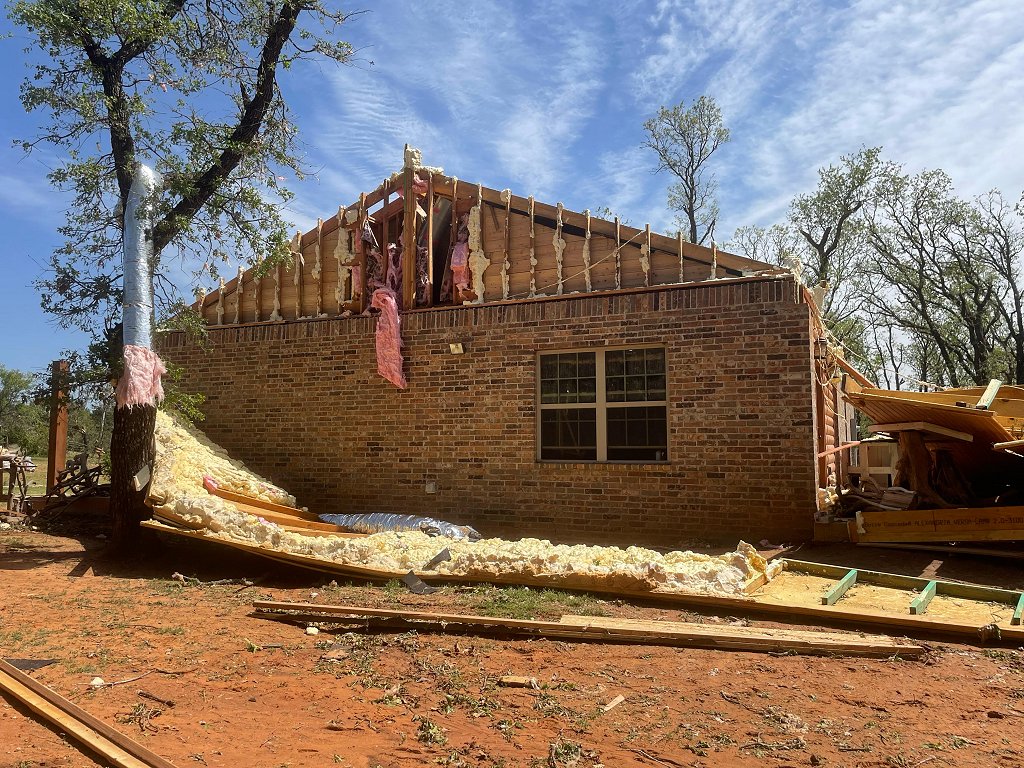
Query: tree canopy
(684,139)
(190,87)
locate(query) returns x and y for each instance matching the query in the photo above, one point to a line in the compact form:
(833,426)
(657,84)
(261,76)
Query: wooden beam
(297,272)
(922,426)
(1008,445)
(840,589)
(533,250)
(318,267)
(430,240)
(920,603)
(409,242)
(57,446)
(1018,611)
(839,448)
(94,734)
(607,630)
(507,246)
(618,253)
(645,256)
(985,401)
(360,248)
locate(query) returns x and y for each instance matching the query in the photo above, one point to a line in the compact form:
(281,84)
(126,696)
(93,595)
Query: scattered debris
(613,703)
(518,681)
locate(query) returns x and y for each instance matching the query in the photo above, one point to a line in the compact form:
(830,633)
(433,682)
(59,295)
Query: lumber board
(1018,611)
(989,395)
(920,603)
(596,628)
(922,426)
(840,589)
(946,548)
(88,730)
(269,506)
(757,604)
(940,525)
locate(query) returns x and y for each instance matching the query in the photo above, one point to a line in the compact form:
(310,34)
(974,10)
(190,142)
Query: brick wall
(301,402)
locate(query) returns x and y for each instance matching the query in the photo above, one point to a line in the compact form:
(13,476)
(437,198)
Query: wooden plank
(1018,611)
(408,240)
(430,240)
(985,401)
(922,426)
(947,549)
(97,736)
(263,504)
(840,589)
(942,525)
(597,628)
(1007,445)
(920,603)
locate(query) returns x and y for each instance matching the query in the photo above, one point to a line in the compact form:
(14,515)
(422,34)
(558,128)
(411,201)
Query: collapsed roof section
(473,245)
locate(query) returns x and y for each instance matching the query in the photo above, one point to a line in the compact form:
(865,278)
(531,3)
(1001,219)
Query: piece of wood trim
(409,241)
(1018,611)
(922,426)
(430,241)
(839,448)
(920,603)
(840,589)
(1004,446)
(594,628)
(946,548)
(262,504)
(93,733)
(985,401)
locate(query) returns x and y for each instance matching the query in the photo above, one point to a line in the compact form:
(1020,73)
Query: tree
(684,138)
(22,422)
(190,86)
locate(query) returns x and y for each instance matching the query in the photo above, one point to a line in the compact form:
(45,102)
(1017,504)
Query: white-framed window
(607,404)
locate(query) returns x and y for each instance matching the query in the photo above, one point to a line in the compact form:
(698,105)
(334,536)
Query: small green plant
(564,752)
(429,732)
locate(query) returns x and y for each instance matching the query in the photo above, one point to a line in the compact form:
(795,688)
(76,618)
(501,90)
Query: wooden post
(57,450)
(505,264)
(297,274)
(645,256)
(257,295)
(454,239)
(318,268)
(239,285)
(618,255)
(360,247)
(430,240)
(586,251)
(533,252)
(679,238)
(409,241)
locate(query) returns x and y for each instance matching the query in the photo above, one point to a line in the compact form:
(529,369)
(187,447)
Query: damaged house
(445,349)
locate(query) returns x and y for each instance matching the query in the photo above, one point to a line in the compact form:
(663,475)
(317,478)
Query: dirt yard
(188,672)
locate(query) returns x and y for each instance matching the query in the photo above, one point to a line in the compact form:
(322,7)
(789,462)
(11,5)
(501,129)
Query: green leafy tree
(684,139)
(192,88)
(22,421)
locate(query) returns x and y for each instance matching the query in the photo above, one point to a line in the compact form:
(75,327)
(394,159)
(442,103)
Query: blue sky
(549,99)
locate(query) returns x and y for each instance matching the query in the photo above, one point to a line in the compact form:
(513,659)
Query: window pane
(568,378)
(635,361)
(655,361)
(614,364)
(615,389)
(569,434)
(637,433)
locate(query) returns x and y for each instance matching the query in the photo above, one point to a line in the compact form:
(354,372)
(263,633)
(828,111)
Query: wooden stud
(920,603)
(840,589)
(559,243)
(1015,621)
(985,401)
(533,249)
(1009,444)
(586,252)
(478,261)
(276,314)
(220,303)
(257,299)
(239,283)
(618,254)
(679,241)
(430,240)
(360,248)
(409,241)
(506,264)
(645,256)
(714,260)
(318,267)
(297,272)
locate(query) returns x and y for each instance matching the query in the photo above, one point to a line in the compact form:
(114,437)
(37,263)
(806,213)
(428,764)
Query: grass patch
(529,603)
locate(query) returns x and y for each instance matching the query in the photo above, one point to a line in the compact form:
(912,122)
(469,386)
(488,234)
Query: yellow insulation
(184,456)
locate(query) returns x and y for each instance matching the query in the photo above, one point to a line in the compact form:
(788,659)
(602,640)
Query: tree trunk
(131,449)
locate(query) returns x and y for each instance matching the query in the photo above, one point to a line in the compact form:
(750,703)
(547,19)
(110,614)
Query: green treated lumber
(920,603)
(989,395)
(840,589)
(897,581)
(1018,611)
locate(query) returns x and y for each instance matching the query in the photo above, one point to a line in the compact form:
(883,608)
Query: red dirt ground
(253,692)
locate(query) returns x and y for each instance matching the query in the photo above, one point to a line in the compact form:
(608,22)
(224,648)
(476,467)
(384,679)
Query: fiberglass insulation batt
(184,456)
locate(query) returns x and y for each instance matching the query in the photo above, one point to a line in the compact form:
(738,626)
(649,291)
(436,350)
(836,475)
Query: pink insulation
(394,276)
(460,256)
(140,381)
(389,337)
